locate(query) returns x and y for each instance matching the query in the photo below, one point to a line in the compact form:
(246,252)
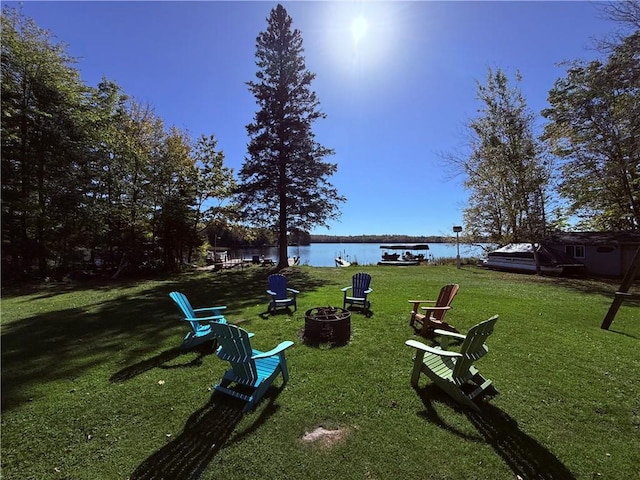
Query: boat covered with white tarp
(519,257)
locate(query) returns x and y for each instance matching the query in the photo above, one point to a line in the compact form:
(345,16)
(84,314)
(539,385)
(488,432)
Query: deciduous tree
(44,118)
(594,127)
(506,171)
(215,187)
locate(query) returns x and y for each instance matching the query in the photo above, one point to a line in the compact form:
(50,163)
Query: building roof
(595,238)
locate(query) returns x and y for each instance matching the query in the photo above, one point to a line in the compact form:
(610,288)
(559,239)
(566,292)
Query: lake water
(324,254)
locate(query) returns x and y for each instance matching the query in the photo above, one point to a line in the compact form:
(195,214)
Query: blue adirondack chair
(200,325)
(249,368)
(281,295)
(454,372)
(356,293)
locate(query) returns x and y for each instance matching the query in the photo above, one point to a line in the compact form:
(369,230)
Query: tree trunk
(41,212)
(283,260)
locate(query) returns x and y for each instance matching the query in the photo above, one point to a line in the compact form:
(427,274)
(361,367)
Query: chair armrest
(293,290)
(446,333)
(222,307)
(214,318)
(435,351)
(346,288)
(274,351)
(272,293)
(368,290)
(436,308)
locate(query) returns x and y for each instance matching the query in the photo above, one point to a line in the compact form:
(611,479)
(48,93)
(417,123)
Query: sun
(360,35)
(359,28)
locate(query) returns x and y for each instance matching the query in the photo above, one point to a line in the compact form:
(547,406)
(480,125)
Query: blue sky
(397,99)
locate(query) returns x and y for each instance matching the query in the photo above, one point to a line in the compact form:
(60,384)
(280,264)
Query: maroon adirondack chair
(433,316)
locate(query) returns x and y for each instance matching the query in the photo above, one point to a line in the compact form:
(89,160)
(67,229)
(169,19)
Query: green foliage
(285,180)
(506,172)
(43,129)
(594,120)
(94,388)
(88,174)
(214,182)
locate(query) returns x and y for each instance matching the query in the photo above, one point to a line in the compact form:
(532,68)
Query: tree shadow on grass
(161,360)
(589,284)
(205,433)
(241,289)
(62,344)
(522,453)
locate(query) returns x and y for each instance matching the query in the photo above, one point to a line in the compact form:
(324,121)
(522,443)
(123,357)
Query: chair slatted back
(186,308)
(360,282)
(444,300)
(278,285)
(183,303)
(473,347)
(235,348)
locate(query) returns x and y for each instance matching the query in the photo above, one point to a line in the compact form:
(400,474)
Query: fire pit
(327,325)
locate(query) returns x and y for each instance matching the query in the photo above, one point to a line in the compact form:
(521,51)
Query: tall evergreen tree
(284,181)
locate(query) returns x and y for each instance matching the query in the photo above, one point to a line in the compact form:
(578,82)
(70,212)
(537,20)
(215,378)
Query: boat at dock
(293,261)
(341,262)
(407,258)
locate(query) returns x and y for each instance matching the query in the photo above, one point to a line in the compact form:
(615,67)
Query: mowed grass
(93,386)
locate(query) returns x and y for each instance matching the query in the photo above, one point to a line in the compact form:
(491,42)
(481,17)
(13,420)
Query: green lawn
(93,386)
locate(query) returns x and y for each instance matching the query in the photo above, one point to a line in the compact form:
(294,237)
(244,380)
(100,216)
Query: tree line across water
(382,239)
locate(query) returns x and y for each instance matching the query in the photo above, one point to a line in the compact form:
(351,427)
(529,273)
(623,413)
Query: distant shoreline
(381,239)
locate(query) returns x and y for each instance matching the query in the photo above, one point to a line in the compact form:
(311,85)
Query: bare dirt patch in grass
(325,438)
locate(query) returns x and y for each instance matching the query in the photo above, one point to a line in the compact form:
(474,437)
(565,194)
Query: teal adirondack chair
(249,368)
(452,371)
(200,325)
(356,293)
(281,295)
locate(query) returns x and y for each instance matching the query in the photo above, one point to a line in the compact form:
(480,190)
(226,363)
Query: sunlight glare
(360,36)
(359,28)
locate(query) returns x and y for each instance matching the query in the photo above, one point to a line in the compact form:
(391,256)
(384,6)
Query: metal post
(457,229)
